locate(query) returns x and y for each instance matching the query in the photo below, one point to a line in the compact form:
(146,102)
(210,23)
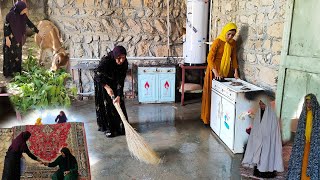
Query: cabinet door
(147,91)
(167,87)
(215,113)
(227,123)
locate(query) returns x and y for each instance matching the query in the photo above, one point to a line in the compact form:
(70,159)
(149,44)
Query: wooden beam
(284,53)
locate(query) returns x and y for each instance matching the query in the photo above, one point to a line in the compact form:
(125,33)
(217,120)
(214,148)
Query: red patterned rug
(247,173)
(46,142)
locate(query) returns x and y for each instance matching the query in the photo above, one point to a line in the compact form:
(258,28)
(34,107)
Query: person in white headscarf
(264,148)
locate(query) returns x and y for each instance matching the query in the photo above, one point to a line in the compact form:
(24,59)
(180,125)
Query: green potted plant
(40,88)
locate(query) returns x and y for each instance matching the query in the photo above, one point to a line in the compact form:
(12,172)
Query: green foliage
(39,88)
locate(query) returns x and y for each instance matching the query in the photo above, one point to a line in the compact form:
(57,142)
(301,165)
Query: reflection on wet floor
(188,149)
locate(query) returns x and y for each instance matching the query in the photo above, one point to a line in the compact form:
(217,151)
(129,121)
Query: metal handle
(220,110)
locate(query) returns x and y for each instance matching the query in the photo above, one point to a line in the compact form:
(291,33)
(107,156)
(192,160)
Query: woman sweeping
(109,83)
(68,166)
(14,38)
(11,169)
(222,59)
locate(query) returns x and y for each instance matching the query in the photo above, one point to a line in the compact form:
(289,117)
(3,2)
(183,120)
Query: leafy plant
(39,88)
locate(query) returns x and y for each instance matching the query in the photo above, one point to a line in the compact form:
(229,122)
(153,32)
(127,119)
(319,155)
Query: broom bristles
(136,144)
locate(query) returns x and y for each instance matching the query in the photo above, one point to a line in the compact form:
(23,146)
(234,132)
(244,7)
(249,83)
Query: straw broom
(136,144)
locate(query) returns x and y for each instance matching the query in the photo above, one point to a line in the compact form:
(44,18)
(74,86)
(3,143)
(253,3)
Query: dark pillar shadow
(242,39)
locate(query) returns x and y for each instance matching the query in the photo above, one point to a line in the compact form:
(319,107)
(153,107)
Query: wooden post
(0,12)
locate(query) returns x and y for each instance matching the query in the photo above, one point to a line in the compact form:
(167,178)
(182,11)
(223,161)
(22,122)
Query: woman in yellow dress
(222,59)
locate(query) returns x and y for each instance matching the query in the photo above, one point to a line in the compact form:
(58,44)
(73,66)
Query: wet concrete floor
(188,149)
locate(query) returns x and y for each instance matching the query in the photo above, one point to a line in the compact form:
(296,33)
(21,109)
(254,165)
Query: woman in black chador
(68,166)
(14,38)
(11,166)
(109,82)
(61,118)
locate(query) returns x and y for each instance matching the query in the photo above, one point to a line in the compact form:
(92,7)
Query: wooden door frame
(284,54)
(295,62)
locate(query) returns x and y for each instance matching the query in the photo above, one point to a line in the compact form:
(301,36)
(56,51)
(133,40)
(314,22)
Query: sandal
(109,134)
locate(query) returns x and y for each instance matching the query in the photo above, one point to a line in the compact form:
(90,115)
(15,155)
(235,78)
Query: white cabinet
(227,104)
(228,119)
(156,84)
(215,113)
(147,88)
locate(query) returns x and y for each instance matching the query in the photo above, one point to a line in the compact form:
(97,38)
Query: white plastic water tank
(194,48)
(184,46)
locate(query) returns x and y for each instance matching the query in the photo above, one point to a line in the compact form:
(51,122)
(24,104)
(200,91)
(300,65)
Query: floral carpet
(46,142)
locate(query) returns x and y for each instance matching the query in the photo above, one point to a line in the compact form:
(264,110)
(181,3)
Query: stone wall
(259,36)
(90,27)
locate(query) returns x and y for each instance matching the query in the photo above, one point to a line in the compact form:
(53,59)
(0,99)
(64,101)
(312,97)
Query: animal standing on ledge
(48,38)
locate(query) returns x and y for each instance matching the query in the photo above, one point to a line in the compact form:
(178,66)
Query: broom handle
(120,112)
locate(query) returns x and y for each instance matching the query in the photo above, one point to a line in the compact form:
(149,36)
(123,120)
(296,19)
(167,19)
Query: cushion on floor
(191,88)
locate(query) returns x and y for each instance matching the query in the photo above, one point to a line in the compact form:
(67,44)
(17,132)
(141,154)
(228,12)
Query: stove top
(158,65)
(238,85)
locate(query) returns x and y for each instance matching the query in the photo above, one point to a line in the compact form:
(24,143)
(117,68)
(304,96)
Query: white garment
(264,148)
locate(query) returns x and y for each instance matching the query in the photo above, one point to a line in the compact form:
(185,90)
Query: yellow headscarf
(309,120)
(38,121)
(225,61)
(308,98)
